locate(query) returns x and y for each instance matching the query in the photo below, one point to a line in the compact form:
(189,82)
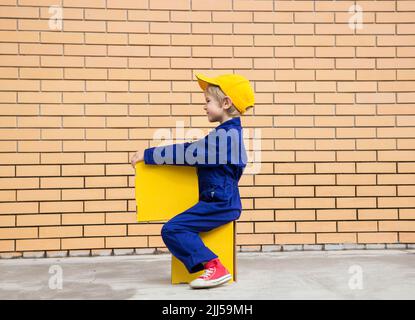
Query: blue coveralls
(219,199)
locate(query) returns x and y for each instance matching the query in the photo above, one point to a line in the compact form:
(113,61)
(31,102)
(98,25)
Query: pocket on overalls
(220,193)
(207,194)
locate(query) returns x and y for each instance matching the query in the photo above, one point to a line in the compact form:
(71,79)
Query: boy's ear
(227,102)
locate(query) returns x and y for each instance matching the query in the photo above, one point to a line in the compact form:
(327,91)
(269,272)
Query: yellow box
(221,241)
(162,192)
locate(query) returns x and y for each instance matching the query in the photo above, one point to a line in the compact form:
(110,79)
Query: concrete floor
(346,274)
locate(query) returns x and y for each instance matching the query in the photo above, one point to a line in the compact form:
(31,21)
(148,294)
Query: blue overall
(219,168)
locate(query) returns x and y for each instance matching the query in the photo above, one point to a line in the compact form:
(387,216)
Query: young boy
(219,168)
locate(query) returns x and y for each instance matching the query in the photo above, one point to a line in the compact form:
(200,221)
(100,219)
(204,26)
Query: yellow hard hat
(235,86)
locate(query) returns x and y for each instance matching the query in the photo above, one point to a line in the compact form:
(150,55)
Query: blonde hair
(217,93)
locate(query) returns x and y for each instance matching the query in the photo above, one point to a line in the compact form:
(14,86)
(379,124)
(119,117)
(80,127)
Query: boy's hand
(137,157)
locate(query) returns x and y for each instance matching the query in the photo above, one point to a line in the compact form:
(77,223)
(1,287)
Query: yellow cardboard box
(163,191)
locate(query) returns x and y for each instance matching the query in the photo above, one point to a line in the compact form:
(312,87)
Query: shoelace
(207,273)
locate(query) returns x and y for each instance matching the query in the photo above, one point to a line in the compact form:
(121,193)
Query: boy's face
(214,110)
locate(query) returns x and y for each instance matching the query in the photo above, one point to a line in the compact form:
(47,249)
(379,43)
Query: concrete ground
(346,274)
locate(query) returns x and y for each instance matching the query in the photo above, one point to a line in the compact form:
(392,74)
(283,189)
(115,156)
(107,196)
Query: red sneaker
(215,274)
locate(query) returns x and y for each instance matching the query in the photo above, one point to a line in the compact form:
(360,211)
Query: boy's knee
(167,228)
(164,230)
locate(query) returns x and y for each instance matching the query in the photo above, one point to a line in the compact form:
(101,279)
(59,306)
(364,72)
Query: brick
(79,253)
(83,218)
(358,202)
(101,252)
(171,28)
(120,217)
(248,239)
(184,16)
(38,220)
(271,248)
(397,246)
(39,146)
(60,206)
(37,244)
(163,251)
(312,247)
(38,195)
(105,38)
(292,247)
(298,238)
(92,26)
(130,4)
(57,254)
(264,227)
(61,182)
(333,247)
(10,255)
(19,12)
(20,85)
(18,207)
(377,237)
(357,226)
(8,97)
(105,14)
(271,203)
(126,242)
(18,233)
(256,215)
(109,205)
(294,215)
(8,195)
(144,229)
(121,193)
(110,230)
(82,243)
(407,237)
(336,238)
(34,254)
(217,4)
(337,214)
(396,225)
(19,158)
(60,232)
(60,37)
(19,134)
(316,226)
(123,252)
(376,246)
(353,246)
(6,245)
(251,5)
(315,203)
(19,183)
(395,202)
(155,241)
(250,248)
(144,251)
(83,194)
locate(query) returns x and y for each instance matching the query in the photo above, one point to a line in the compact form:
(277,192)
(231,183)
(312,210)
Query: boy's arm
(195,153)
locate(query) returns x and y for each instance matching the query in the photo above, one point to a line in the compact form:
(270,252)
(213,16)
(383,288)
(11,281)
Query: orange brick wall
(335,106)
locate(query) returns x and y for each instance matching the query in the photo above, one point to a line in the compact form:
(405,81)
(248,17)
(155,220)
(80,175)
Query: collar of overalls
(233,122)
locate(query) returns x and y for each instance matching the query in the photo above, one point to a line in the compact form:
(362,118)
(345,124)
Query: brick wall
(335,106)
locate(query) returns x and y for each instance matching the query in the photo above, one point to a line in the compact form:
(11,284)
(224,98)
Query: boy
(219,168)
